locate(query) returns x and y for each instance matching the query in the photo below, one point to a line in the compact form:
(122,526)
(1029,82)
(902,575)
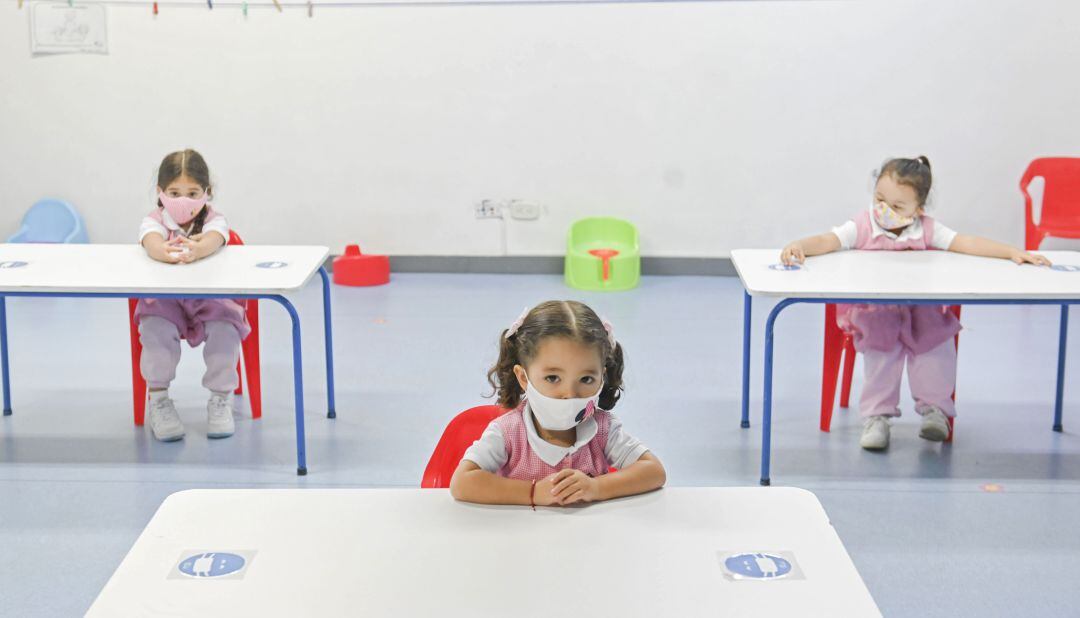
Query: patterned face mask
(888,218)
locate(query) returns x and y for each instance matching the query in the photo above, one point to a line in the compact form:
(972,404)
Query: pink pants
(931,375)
(161,353)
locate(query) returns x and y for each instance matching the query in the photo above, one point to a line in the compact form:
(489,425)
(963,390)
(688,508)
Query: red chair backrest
(1061,193)
(234,238)
(457,437)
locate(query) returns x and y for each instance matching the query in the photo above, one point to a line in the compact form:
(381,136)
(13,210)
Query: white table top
(126,268)
(414,552)
(908,275)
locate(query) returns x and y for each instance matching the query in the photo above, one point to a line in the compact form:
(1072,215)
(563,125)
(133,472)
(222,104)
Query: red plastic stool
(605,256)
(357,269)
(839,344)
(249,347)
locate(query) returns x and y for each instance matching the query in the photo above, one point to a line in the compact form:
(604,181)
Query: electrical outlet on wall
(489,209)
(523,210)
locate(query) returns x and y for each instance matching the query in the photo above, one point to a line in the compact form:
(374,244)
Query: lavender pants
(161,353)
(931,375)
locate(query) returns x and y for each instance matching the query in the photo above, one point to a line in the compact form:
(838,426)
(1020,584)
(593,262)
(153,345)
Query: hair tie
(510,332)
(610,332)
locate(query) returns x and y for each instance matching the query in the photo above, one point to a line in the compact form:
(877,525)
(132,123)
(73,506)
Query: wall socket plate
(489,209)
(524,211)
(520,210)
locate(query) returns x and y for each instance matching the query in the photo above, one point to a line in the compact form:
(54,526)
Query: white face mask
(558,414)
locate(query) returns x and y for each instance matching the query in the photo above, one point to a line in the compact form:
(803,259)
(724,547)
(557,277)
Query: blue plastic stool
(53,221)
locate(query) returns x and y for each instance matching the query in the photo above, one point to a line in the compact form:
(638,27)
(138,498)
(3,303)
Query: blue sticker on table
(785,267)
(215,564)
(272,264)
(758,566)
(13,264)
(1066,268)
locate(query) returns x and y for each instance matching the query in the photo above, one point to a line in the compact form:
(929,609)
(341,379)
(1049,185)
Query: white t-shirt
(848,233)
(489,452)
(150,225)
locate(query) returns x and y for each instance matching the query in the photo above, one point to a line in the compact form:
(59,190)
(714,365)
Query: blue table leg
(1063,337)
(4,356)
(329,334)
(298,385)
(746,361)
(766,418)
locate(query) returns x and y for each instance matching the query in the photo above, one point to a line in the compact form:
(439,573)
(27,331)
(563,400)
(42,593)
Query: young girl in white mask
(181,229)
(890,335)
(559,372)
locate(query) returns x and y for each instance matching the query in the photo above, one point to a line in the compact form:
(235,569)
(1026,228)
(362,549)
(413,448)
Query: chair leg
(849,371)
(138,383)
(830,365)
(251,361)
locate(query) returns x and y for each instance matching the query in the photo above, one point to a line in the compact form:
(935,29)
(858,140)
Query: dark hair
(914,173)
(555,318)
(191,164)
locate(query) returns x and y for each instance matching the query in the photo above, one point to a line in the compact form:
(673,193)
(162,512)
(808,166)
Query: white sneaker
(935,426)
(164,421)
(219,418)
(875,433)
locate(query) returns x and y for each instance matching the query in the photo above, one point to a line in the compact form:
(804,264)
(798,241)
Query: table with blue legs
(125,271)
(896,278)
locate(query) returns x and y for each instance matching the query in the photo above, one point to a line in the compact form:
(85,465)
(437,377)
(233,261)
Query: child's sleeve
(848,234)
(943,236)
(489,452)
(149,226)
(218,224)
(622,448)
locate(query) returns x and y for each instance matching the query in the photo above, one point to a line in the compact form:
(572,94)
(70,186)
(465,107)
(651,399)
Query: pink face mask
(182,209)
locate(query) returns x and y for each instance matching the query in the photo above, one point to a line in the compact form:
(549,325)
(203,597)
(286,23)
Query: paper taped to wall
(60,28)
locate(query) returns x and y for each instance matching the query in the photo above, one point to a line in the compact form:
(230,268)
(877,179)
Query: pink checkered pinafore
(918,328)
(524,464)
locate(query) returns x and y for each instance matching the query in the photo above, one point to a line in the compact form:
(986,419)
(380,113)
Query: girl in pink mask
(559,373)
(181,229)
(890,336)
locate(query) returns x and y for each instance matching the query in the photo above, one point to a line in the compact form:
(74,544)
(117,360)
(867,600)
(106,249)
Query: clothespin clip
(310,9)
(71,3)
(244,8)
(155,9)
(20,4)
(210,4)
(277,5)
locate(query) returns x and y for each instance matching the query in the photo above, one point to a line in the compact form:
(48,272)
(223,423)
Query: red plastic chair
(1060,215)
(839,344)
(457,437)
(250,348)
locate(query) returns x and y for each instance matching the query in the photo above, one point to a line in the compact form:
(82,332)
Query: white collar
(550,453)
(912,231)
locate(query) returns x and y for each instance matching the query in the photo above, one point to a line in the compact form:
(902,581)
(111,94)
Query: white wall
(712,126)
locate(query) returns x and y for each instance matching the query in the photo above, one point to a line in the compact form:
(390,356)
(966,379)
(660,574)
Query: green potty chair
(602,254)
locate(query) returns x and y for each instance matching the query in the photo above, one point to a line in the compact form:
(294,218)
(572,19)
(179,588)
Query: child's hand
(161,253)
(574,486)
(188,250)
(793,254)
(1023,257)
(542,495)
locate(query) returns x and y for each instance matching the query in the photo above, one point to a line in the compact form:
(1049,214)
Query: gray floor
(78,480)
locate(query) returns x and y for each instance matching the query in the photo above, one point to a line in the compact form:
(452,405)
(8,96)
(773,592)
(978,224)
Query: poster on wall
(62,28)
